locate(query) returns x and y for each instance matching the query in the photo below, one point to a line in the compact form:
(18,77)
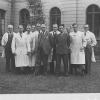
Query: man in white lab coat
(77,46)
(21,49)
(6,43)
(91,42)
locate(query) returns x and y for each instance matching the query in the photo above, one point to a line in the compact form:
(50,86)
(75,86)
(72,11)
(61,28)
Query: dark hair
(74,24)
(62,25)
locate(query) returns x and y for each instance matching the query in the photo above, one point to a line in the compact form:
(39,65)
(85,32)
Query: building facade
(54,11)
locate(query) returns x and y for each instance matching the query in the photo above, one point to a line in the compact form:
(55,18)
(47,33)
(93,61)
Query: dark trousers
(88,54)
(10,62)
(64,57)
(44,60)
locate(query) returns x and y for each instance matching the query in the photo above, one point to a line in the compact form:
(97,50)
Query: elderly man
(44,47)
(77,46)
(91,42)
(6,43)
(53,44)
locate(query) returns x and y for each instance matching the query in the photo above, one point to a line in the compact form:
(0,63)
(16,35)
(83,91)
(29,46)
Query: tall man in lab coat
(77,46)
(91,42)
(6,43)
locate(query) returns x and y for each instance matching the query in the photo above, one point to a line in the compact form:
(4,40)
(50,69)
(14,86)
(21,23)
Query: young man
(44,47)
(62,50)
(91,42)
(6,43)
(77,46)
(53,44)
(20,49)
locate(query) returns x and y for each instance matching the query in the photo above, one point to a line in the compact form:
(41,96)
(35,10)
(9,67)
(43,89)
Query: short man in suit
(62,50)
(44,47)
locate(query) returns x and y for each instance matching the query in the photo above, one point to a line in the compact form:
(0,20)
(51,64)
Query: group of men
(38,48)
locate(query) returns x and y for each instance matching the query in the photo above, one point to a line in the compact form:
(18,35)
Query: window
(24,18)
(2,23)
(55,16)
(93,19)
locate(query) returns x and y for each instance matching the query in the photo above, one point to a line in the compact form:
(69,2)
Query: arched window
(55,16)
(2,23)
(24,18)
(93,19)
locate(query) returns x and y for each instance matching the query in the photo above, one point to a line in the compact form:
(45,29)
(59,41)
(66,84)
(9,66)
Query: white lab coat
(20,48)
(77,41)
(34,41)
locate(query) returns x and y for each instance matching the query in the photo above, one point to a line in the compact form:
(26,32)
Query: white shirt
(90,38)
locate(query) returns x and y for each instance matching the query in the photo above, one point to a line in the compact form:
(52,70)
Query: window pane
(55,17)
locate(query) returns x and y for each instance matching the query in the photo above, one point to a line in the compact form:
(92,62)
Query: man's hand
(82,49)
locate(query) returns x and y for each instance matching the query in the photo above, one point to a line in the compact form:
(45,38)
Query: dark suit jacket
(62,43)
(44,42)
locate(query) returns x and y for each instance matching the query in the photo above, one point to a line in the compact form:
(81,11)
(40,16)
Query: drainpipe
(76,11)
(12,12)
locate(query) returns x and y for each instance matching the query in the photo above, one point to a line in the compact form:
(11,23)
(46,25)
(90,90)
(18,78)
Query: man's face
(61,28)
(38,28)
(55,28)
(86,29)
(33,28)
(20,29)
(28,28)
(10,29)
(75,28)
(43,28)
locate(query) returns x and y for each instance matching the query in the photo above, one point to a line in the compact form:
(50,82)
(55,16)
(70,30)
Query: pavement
(11,83)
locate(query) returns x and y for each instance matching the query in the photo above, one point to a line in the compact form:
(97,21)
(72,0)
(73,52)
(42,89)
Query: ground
(27,83)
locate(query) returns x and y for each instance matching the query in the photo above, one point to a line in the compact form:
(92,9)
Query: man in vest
(6,43)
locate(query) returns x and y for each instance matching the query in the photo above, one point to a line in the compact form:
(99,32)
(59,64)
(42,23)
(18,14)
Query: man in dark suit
(44,47)
(62,50)
(53,44)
